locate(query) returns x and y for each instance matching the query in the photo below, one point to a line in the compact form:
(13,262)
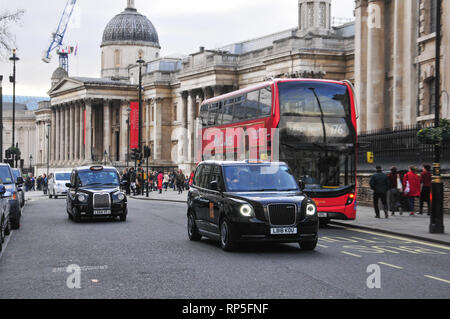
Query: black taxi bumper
(87,211)
(255,230)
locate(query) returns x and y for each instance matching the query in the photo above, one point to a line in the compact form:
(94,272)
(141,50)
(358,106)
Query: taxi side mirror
(214,186)
(302,185)
(68,185)
(2,190)
(19,180)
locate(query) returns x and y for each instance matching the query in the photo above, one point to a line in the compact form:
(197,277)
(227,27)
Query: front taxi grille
(282,214)
(102,201)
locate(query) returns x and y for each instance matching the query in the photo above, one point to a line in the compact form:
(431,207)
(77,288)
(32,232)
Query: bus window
(252,105)
(228,112)
(219,114)
(239,109)
(204,115)
(213,110)
(265,101)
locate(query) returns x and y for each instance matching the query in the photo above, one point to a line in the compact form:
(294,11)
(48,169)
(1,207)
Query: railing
(398,147)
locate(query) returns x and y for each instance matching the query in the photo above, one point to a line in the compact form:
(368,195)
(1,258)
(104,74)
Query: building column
(376,66)
(77,132)
(82,132)
(157,129)
(397,106)
(71,133)
(66,134)
(147,122)
(124,130)
(361,63)
(88,146)
(107,127)
(56,139)
(192,97)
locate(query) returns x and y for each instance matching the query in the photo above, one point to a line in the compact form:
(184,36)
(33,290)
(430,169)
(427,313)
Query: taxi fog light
(247,210)
(311,210)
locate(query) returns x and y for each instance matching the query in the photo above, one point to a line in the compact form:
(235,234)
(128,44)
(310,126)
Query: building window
(432,16)
(323,15)
(310,14)
(175,112)
(117,58)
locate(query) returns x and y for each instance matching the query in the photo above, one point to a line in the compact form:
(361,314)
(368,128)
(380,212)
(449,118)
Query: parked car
(57,184)
(5,224)
(20,191)
(12,195)
(94,192)
(235,202)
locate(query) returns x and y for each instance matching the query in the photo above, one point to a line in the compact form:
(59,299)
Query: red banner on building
(134,125)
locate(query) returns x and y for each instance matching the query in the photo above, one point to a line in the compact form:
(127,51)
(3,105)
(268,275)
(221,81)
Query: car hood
(265,198)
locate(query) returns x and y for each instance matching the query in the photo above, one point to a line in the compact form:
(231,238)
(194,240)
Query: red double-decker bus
(309,124)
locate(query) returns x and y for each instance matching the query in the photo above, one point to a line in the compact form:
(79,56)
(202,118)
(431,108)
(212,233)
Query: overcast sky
(183,26)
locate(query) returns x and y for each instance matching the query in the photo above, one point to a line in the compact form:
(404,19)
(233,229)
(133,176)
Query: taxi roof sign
(97,168)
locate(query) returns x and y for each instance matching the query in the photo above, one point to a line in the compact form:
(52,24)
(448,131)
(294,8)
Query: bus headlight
(311,210)
(247,210)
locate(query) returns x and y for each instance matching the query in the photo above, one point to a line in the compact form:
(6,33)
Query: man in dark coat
(379,183)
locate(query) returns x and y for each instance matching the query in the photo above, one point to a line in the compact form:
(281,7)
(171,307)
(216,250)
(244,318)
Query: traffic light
(8,154)
(147,151)
(135,154)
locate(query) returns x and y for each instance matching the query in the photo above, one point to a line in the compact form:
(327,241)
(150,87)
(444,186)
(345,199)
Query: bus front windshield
(317,135)
(315,112)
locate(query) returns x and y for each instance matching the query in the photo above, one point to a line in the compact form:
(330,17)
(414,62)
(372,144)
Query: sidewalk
(33,195)
(409,226)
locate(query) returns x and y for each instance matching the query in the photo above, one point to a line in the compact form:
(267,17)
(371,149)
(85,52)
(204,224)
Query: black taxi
(94,192)
(237,202)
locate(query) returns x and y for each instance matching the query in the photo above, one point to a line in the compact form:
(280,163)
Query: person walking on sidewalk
(411,186)
(425,179)
(180,182)
(395,191)
(379,183)
(160,182)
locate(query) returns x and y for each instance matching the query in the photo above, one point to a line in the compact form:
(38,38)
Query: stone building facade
(395,59)
(89,117)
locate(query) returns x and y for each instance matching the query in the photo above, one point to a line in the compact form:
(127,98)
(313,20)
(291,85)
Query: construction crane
(56,41)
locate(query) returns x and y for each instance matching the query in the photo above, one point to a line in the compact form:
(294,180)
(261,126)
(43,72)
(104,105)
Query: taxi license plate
(323,215)
(102,212)
(284,231)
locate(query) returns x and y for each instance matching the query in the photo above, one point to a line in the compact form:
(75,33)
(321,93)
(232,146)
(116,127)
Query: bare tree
(7,40)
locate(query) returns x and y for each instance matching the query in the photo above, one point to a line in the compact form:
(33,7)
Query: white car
(57,184)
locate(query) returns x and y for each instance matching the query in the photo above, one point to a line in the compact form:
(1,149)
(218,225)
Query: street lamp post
(105,156)
(31,159)
(437,206)
(140,62)
(12,79)
(128,139)
(48,148)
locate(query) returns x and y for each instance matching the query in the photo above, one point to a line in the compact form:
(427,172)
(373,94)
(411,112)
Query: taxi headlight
(120,196)
(82,198)
(247,210)
(311,210)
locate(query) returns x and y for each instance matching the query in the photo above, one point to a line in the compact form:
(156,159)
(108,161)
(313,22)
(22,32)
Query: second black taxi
(236,202)
(94,192)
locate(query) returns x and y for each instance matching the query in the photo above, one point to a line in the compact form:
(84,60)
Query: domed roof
(130,27)
(59,74)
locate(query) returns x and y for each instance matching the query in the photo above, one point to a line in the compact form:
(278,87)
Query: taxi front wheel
(226,235)
(192,229)
(308,245)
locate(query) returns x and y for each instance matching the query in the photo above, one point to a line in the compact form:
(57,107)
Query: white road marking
(322,246)
(390,265)
(437,278)
(350,254)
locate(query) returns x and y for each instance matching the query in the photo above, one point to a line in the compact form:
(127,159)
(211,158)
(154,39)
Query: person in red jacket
(411,186)
(160,182)
(425,179)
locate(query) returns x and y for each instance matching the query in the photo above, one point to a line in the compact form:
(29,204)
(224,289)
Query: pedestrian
(44,184)
(425,179)
(411,186)
(394,192)
(160,182)
(166,182)
(180,182)
(379,183)
(133,181)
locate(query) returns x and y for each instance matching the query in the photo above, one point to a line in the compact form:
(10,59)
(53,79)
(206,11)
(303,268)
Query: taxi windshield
(5,175)
(259,178)
(98,178)
(63,176)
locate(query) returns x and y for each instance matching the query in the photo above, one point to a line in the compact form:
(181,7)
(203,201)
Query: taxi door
(215,199)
